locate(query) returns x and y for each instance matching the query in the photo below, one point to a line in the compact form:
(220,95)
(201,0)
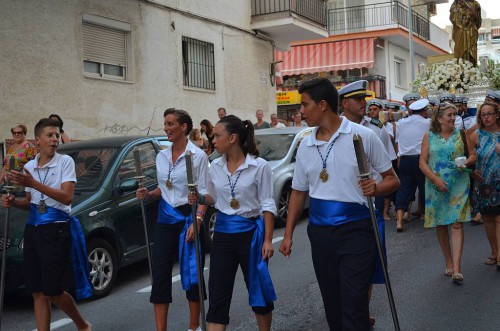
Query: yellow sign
(287,98)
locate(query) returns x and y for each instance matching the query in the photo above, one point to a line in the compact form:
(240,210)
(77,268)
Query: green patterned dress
(445,208)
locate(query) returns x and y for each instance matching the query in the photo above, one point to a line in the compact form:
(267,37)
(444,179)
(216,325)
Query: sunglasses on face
(17,133)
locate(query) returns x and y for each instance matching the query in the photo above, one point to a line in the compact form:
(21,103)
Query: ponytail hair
(245,132)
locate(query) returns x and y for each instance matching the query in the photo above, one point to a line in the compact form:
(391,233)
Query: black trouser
(410,177)
(343,258)
(165,254)
(228,251)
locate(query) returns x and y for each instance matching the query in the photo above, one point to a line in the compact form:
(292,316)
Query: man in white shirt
(275,123)
(409,134)
(340,230)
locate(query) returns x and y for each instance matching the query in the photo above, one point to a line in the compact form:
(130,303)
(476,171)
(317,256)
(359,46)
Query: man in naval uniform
(409,134)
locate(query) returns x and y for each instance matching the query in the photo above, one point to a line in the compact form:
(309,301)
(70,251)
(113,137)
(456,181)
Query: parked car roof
(117,141)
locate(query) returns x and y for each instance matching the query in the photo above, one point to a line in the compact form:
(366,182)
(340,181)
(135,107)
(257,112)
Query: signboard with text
(287,98)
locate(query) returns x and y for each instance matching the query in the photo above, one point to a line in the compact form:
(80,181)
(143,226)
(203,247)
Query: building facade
(112,67)
(368,40)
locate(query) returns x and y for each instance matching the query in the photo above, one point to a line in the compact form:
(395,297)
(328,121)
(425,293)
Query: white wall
(42,66)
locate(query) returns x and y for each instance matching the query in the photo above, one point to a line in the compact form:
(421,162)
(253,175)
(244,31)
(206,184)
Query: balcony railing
(369,17)
(314,10)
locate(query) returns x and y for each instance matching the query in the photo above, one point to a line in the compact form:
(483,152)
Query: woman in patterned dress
(446,186)
(22,150)
(486,195)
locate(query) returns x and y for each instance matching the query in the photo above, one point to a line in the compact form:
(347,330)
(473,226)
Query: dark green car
(106,206)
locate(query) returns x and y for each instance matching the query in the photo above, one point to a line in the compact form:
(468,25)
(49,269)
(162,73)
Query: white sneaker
(198,329)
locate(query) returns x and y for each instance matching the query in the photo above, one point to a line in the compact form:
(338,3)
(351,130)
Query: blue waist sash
(260,286)
(187,250)
(79,259)
(330,213)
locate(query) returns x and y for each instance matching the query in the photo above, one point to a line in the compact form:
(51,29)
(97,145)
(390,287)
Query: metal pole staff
(201,283)
(8,189)
(364,173)
(140,179)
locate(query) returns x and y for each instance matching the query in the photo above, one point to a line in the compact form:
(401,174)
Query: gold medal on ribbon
(169,184)
(234,203)
(323,175)
(42,207)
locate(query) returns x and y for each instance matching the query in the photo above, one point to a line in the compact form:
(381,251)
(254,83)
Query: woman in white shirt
(242,192)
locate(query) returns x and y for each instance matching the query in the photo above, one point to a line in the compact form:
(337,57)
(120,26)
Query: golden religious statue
(465,15)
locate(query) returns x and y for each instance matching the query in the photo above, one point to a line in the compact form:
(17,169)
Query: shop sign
(287,98)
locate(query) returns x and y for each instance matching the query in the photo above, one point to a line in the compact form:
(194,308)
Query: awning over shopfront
(330,56)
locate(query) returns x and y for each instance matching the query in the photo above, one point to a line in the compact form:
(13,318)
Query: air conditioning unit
(431,8)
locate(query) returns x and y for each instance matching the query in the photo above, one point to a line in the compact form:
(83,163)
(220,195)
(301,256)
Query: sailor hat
(393,105)
(411,97)
(494,95)
(434,101)
(461,100)
(375,102)
(447,97)
(419,105)
(354,89)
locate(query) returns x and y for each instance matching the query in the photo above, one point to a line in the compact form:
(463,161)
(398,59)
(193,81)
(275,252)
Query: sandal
(457,278)
(476,221)
(490,261)
(448,272)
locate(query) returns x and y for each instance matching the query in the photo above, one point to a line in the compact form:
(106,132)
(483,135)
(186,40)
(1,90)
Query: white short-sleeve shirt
(60,169)
(383,136)
(178,195)
(253,188)
(341,165)
(409,134)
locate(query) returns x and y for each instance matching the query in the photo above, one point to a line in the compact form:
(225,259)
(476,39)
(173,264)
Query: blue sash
(187,251)
(330,213)
(260,286)
(79,259)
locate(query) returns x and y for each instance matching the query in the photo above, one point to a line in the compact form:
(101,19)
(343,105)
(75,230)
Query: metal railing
(362,18)
(314,10)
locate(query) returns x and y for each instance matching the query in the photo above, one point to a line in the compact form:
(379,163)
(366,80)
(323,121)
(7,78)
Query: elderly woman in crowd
(486,195)
(446,185)
(22,150)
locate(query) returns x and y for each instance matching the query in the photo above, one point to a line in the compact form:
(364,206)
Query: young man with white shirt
(340,230)
(48,236)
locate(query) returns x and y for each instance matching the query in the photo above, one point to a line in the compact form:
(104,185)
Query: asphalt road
(425,298)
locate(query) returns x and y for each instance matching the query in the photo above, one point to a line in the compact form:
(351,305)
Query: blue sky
(443,11)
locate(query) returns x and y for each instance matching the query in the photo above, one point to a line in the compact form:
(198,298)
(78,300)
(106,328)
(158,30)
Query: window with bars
(104,47)
(198,63)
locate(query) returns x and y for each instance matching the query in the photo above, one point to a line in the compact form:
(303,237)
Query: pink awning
(338,55)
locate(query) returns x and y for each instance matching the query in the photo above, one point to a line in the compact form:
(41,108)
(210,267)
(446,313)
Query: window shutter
(104,45)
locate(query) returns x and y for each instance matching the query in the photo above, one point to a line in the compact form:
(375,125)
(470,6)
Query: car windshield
(273,147)
(91,165)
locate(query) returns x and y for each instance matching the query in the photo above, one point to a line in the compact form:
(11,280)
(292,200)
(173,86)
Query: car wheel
(283,204)
(103,266)
(210,219)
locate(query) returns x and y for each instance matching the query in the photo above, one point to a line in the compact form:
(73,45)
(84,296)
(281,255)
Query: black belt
(410,156)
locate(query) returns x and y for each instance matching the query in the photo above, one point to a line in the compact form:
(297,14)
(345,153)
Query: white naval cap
(411,96)
(419,105)
(446,97)
(355,89)
(434,101)
(494,95)
(462,100)
(375,102)
(393,105)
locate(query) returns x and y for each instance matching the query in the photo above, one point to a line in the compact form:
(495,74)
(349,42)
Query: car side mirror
(128,185)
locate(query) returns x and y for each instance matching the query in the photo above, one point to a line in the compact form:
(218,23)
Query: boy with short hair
(49,234)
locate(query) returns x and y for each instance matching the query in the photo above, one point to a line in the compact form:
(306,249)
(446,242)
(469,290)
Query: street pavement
(425,298)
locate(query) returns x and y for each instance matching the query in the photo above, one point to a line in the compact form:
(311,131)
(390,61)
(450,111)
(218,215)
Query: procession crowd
(453,158)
